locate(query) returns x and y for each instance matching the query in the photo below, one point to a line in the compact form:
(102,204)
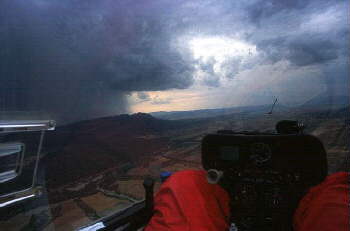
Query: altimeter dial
(260,153)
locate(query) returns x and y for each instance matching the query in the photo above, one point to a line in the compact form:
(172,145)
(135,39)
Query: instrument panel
(265,175)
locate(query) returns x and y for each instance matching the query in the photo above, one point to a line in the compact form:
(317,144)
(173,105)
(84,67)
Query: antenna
(273,105)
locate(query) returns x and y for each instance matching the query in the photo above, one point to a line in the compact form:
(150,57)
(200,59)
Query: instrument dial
(260,153)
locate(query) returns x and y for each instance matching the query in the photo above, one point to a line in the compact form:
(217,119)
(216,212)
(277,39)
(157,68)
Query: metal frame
(19,161)
(25,126)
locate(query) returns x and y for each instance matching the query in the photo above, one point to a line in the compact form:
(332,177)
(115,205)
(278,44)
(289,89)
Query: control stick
(148,184)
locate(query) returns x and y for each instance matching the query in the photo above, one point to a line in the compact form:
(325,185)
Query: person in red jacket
(186,201)
(326,206)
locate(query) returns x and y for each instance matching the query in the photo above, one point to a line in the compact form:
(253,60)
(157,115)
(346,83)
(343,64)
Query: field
(81,191)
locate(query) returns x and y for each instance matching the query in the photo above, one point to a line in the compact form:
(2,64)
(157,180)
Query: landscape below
(95,167)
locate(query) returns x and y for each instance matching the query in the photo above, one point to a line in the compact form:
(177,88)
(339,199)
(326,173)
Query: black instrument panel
(266,175)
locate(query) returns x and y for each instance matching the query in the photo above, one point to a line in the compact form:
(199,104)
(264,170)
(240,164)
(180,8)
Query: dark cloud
(301,51)
(50,59)
(208,76)
(155,100)
(263,9)
(80,59)
(149,71)
(260,10)
(158,101)
(143,96)
(314,34)
(308,52)
(207,66)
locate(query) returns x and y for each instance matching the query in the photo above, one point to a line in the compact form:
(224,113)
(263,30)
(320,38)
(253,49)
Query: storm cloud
(75,59)
(79,59)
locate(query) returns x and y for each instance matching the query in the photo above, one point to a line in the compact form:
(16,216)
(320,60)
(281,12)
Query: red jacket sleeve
(186,201)
(326,206)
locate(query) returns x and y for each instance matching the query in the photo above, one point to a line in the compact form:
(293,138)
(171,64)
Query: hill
(88,147)
(117,146)
(206,113)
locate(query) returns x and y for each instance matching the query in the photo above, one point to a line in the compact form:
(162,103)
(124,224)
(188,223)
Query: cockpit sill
(14,198)
(133,217)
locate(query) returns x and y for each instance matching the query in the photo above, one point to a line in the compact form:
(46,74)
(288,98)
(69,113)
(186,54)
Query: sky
(79,59)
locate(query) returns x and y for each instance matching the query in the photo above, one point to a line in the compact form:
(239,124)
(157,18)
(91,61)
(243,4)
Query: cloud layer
(78,59)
